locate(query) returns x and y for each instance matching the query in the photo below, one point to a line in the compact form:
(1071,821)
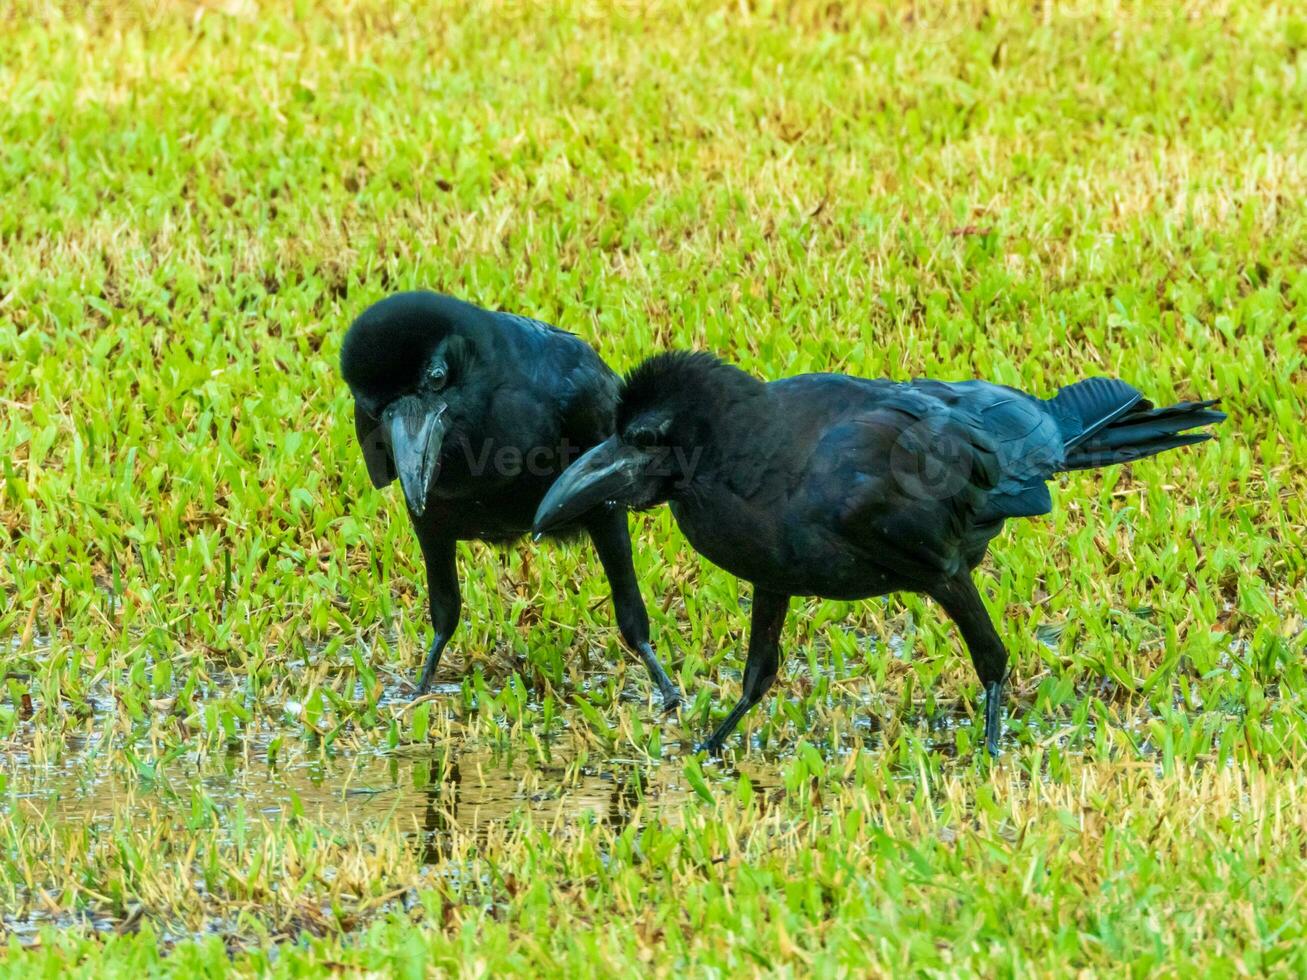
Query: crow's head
(410,362)
(667,417)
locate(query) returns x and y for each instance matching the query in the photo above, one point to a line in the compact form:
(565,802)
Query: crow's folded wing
(1029,445)
(566,379)
(931,469)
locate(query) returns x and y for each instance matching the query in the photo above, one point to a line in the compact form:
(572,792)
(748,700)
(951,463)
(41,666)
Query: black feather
(1144,432)
(1087,406)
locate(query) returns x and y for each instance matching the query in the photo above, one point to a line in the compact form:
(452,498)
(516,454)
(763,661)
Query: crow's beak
(607,473)
(416,429)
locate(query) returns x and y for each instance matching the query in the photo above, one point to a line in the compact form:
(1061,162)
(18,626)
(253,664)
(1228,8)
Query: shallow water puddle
(457,786)
(198,807)
(437,797)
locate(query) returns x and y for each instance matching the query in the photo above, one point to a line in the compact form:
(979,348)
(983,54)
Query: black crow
(477,413)
(848,488)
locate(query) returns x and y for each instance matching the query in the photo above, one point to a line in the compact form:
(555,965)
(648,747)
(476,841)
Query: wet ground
(428,792)
(465,781)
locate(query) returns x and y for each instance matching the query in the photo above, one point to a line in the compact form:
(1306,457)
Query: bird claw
(423,685)
(672,702)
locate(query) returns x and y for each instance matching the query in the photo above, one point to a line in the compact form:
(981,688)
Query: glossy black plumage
(477,412)
(847,488)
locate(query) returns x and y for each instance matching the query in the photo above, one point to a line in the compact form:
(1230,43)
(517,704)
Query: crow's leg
(769,609)
(961,600)
(442,591)
(612,540)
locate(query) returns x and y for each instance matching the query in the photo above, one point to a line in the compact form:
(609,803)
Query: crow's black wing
(922,477)
(563,379)
(904,479)
(1029,444)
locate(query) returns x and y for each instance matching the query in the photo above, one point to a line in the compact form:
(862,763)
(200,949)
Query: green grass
(196,199)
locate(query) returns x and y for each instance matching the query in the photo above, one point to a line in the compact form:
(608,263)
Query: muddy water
(464,783)
(432,793)
(455,786)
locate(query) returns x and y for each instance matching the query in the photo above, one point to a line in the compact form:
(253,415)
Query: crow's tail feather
(1105,421)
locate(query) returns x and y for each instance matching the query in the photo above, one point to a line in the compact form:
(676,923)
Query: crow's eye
(642,438)
(436,376)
